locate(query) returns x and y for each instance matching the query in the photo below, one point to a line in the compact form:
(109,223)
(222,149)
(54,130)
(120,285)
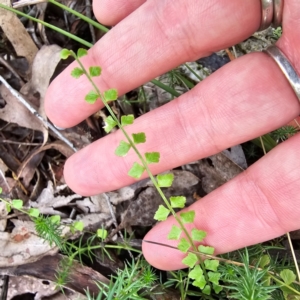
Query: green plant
(283,133)
(205,280)
(249,283)
(51,230)
(135,282)
(254,274)
(277,33)
(180,280)
(202,274)
(205,276)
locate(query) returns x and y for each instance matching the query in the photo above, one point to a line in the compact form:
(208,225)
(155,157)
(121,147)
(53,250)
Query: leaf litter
(32,160)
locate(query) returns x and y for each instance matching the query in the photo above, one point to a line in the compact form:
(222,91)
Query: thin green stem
(187,286)
(132,144)
(10,204)
(66,33)
(184,80)
(81,16)
(193,72)
(141,158)
(268,141)
(285,285)
(125,247)
(166,88)
(79,40)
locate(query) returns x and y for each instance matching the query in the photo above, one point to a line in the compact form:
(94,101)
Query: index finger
(173,33)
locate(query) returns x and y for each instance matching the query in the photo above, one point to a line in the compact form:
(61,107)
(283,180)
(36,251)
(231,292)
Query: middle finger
(157,37)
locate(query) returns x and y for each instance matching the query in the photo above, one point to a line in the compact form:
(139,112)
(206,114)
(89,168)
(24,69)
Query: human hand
(246,98)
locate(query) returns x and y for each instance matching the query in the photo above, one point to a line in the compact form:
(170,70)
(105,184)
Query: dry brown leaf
(16,112)
(31,168)
(80,278)
(78,135)
(123,194)
(48,201)
(17,34)
(217,169)
(19,285)
(92,222)
(157,96)
(43,67)
(138,202)
(22,245)
(58,145)
(98,203)
(236,155)
(41,10)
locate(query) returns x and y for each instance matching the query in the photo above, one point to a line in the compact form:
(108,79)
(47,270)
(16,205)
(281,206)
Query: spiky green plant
(249,283)
(135,282)
(285,132)
(49,229)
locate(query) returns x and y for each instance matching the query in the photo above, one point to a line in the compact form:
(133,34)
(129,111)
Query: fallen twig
(20,98)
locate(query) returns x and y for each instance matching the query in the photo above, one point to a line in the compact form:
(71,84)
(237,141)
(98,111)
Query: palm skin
(245,99)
